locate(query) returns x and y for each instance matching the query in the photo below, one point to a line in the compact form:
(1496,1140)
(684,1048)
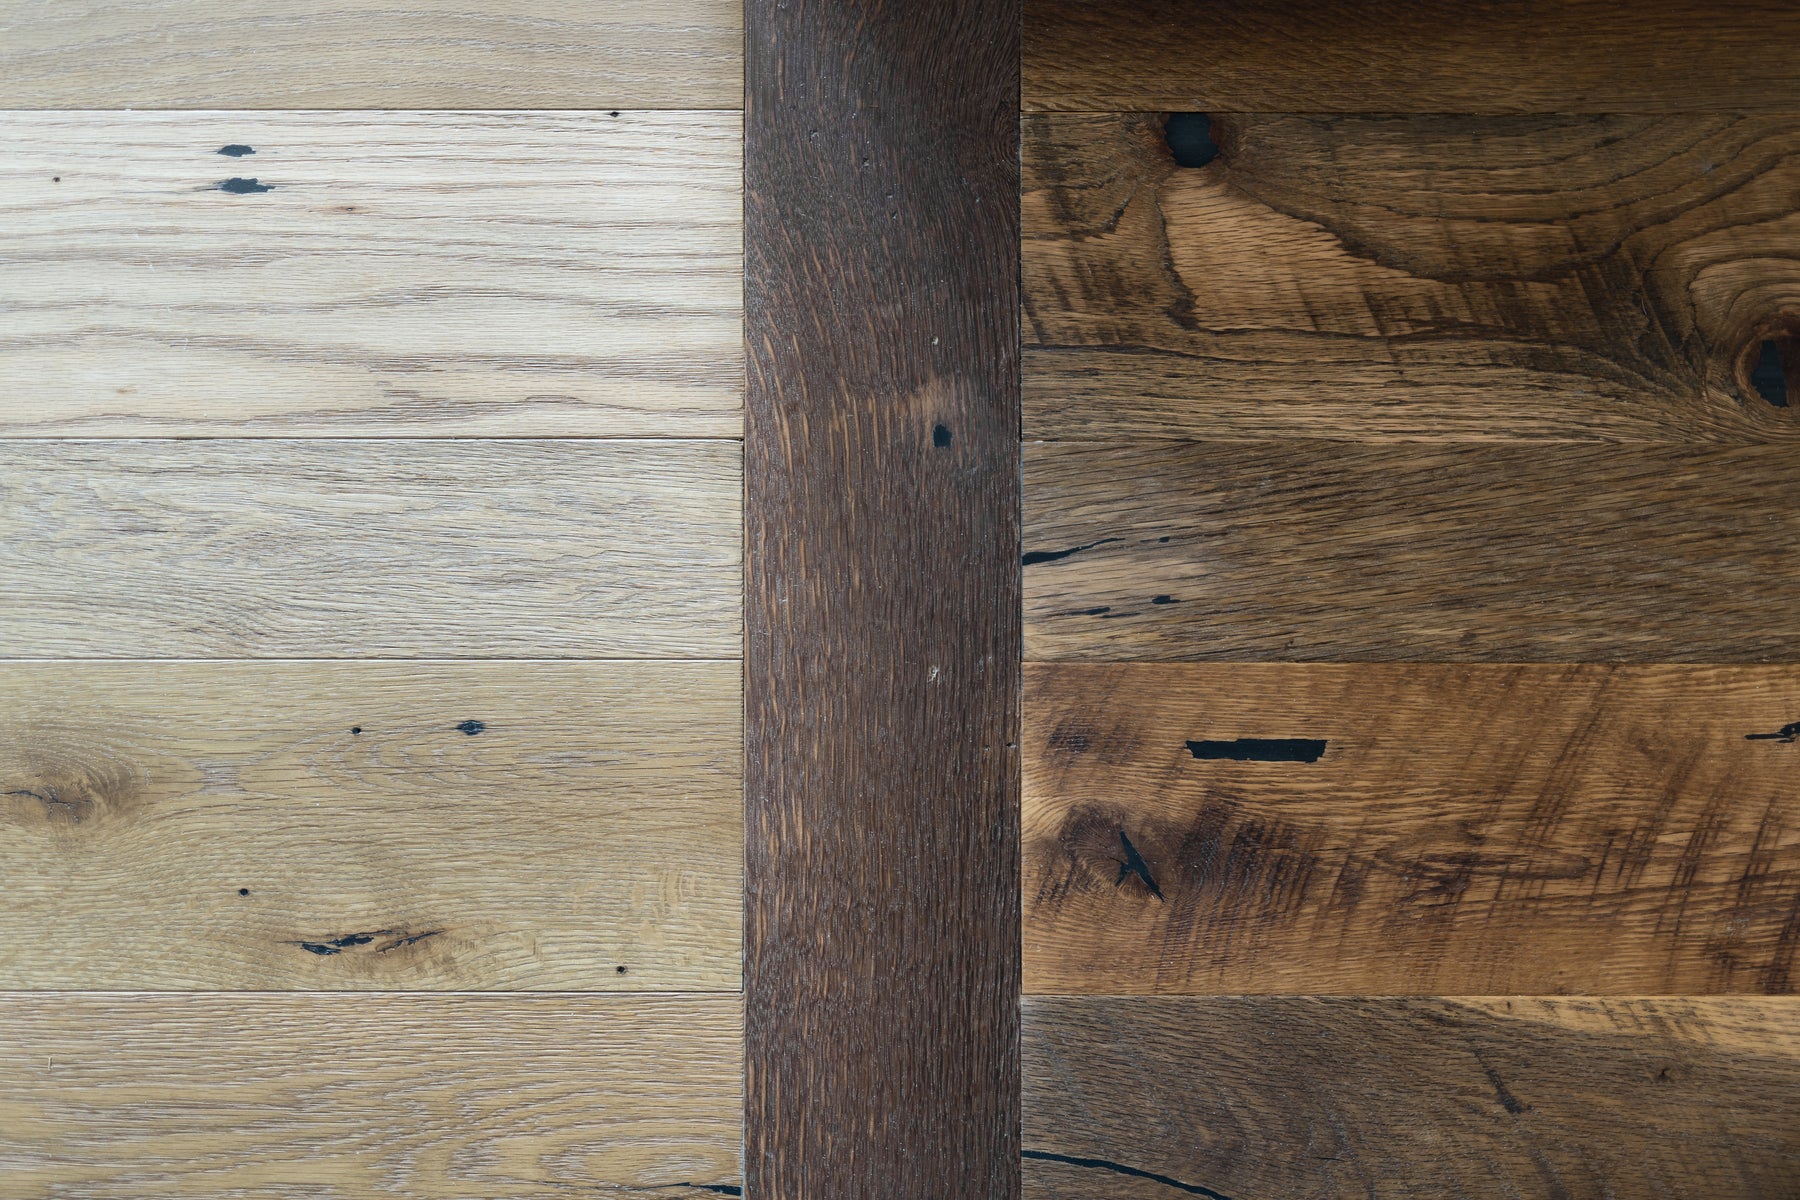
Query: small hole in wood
(243,891)
(1190,138)
(619,969)
(1769,375)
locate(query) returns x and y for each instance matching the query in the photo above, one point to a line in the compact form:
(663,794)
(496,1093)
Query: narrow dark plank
(881,924)
(1462,553)
(1598,278)
(1493,1099)
(1403,56)
(1402,828)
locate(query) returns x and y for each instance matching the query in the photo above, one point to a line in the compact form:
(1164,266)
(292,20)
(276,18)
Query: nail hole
(1190,139)
(620,969)
(243,891)
(56,179)
(940,436)
(356,729)
(1769,375)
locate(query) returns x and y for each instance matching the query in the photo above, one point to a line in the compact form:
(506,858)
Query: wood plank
(1330,551)
(1464,1099)
(372,274)
(312,825)
(437,1097)
(881,444)
(351,54)
(1395,829)
(1415,278)
(365,549)
(1395,56)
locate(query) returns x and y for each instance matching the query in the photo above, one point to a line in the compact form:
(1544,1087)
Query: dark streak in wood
(882,563)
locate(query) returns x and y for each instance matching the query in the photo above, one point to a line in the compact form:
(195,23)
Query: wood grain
(350,54)
(312,825)
(1329,551)
(342,1097)
(366,549)
(1415,278)
(1404,829)
(1490,1099)
(413,274)
(881,449)
(1475,56)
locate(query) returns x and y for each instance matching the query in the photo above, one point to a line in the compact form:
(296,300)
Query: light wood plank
(1400,56)
(519,825)
(345,1097)
(350,54)
(1380,277)
(1330,551)
(370,548)
(1496,1099)
(413,274)
(1395,829)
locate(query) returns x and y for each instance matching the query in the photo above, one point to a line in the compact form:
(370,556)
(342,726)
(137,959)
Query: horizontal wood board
(1381,277)
(370,548)
(198,54)
(385,826)
(125,1097)
(358,274)
(1471,1099)
(1411,829)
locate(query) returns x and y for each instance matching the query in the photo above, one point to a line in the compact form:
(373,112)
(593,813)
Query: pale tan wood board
(328,549)
(351,54)
(136,1097)
(316,825)
(417,274)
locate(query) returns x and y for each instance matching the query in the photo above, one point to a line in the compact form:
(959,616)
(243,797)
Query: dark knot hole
(1190,138)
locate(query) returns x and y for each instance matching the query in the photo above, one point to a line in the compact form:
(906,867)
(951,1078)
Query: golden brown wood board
(370,548)
(354,274)
(1394,829)
(200,54)
(1330,551)
(1400,56)
(315,825)
(125,1097)
(1481,1099)
(1382,277)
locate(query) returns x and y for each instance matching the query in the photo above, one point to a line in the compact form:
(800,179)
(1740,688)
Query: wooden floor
(371,495)
(1411,728)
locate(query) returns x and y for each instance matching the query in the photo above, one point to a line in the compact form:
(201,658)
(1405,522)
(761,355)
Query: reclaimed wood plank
(1394,829)
(380,826)
(370,548)
(199,54)
(1375,278)
(1320,551)
(1394,56)
(362,274)
(122,1097)
(1476,1099)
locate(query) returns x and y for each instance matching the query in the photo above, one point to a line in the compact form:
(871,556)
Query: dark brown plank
(881,924)
(1329,551)
(1398,56)
(1411,829)
(1379,277)
(1501,1099)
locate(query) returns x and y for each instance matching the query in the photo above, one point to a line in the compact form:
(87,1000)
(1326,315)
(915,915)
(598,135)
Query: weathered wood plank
(1395,829)
(1396,56)
(1492,1099)
(373,274)
(881,449)
(352,54)
(1379,277)
(1328,551)
(270,549)
(123,1097)
(272,825)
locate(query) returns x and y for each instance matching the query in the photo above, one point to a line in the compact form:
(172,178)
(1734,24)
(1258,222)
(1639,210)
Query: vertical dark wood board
(882,607)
